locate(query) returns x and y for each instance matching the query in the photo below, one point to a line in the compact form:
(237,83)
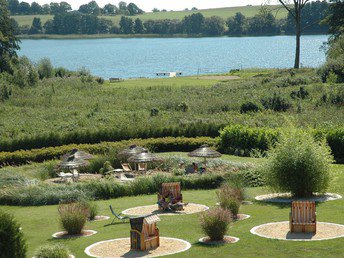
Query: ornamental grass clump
(230,198)
(299,164)
(52,251)
(73,217)
(215,223)
(12,242)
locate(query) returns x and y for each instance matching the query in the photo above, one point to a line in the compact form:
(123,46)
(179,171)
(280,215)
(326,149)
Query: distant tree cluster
(23,8)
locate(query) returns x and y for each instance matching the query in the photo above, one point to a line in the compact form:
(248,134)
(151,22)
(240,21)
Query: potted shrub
(215,223)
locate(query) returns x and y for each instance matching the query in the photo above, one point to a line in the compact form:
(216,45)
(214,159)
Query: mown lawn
(39,223)
(225,13)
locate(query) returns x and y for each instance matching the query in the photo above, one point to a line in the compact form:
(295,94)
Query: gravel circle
(120,247)
(100,218)
(64,235)
(153,209)
(226,240)
(286,198)
(280,230)
(241,217)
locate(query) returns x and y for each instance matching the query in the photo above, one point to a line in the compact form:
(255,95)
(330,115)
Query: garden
(231,217)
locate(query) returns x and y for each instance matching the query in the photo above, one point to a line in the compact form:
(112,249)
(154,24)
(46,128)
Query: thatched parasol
(71,162)
(78,154)
(205,152)
(131,151)
(144,157)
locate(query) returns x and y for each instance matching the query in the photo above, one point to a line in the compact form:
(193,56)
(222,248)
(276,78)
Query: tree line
(263,23)
(23,8)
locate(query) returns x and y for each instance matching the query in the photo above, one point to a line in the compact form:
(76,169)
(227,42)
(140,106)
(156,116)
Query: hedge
(242,140)
(158,145)
(53,139)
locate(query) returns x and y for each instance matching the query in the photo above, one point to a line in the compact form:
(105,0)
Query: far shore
(103,36)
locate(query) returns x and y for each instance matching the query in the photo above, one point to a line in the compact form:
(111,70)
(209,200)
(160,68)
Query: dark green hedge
(157,145)
(241,140)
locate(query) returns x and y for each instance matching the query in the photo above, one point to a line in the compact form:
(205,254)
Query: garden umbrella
(131,151)
(144,157)
(71,162)
(78,154)
(205,152)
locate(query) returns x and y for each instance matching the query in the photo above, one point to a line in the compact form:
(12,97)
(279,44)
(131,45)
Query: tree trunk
(298,39)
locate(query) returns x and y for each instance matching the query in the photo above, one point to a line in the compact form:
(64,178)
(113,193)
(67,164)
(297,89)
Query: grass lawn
(225,13)
(39,223)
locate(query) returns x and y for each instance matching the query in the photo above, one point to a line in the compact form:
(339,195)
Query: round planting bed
(153,209)
(120,247)
(286,197)
(226,240)
(64,235)
(280,230)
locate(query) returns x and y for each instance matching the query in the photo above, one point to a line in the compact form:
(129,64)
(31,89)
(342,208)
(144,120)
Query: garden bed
(287,198)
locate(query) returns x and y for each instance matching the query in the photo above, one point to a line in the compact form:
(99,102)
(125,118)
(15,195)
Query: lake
(143,57)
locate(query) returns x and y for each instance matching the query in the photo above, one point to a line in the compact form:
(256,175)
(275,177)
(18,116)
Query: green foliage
(299,164)
(230,198)
(301,93)
(25,74)
(52,251)
(249,107)
(215,223)
(72,217)
(12,242)
(45,68)
(276,103)
(91,209)
(106,168)
(253,177)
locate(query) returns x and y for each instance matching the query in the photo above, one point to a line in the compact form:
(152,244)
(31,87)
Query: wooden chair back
(126,167)
(303,212)
(173,188)
(142,166)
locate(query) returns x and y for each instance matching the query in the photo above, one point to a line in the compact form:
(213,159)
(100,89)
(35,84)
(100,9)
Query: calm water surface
(143,57)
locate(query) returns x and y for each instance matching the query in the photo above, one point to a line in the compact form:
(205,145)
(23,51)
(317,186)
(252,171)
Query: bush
(154,112)
(276,103)
(45,68)
(91,209)
(230,198)
(12,242)
(215,223)
(298,164)
(73,217)
(100,80)
(301,94)
(249,107)
(253,177)
(52,251)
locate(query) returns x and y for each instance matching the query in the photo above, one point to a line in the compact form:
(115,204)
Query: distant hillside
(224,13)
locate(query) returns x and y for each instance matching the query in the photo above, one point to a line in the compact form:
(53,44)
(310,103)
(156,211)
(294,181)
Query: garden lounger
(302,217)
(142,167)
(126,167)
(117,216)
(64,176)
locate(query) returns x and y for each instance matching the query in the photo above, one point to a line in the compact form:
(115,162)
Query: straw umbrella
(144,157)
(78,154)
(131,151)
(205,152)
(71,162)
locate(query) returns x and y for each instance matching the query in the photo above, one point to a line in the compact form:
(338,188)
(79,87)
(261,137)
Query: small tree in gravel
(215,223)
(299,164)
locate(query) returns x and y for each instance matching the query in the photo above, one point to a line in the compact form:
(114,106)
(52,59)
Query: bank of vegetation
(88,20)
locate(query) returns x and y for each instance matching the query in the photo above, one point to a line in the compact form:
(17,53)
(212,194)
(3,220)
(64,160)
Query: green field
(39,223)
(70,105)
(248,11)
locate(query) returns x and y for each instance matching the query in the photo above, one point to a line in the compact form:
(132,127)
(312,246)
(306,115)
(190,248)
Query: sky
(148,5)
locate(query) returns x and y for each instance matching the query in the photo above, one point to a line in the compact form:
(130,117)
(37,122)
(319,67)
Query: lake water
(143,57)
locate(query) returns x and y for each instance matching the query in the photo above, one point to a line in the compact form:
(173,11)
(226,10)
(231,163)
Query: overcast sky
(148,5)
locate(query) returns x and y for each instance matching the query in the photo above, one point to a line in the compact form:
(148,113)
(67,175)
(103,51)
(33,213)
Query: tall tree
(296,13)
(336,18)
(8,41)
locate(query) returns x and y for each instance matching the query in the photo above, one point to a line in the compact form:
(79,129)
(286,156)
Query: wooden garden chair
(174,189)
(302,217)
(126,167)
(142,167)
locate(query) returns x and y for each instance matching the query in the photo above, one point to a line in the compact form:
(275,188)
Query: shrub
(45,68)
(73,217)
(298,164)
(52,251)
(215,223)
(106,168)
(12,242)
(230,198)
(253,177)
(154,112)
(100,80)
(249,107)
(301,94)
(276,103)
(91,209)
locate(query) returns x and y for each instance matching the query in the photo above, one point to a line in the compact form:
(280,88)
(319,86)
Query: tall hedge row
(53,139)
(242,140)
(157,145)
